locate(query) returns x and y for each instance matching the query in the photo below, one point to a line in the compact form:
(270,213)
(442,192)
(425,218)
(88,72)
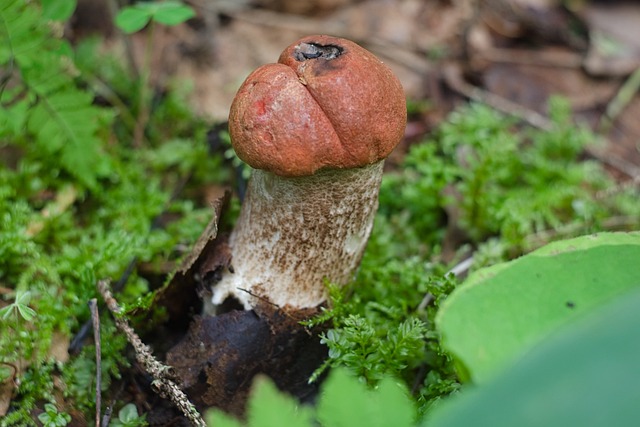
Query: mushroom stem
(294,233)
(317,126)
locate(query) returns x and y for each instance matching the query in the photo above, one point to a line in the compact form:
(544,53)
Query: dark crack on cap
(306,51)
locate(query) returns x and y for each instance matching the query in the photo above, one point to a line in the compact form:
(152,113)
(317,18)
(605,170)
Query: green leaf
(5,372)
(217,418)
(66,121)
(60,116)
(58,10)
(585,375)
(23,298)
(21,32)
(501,312)
(132,18)
(269,407)
(5,312)
(173,13)
(128,413)
(27,313)
(346,402)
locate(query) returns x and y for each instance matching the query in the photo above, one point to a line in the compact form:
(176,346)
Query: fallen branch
(453,78)
(162,374)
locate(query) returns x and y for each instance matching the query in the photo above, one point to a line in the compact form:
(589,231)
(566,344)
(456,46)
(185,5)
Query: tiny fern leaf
(66,121)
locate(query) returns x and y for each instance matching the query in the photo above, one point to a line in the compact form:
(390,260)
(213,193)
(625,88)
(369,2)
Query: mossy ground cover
(83,199)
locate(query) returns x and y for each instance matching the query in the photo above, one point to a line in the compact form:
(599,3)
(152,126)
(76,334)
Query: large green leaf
(132,19)
(58,10)
(584,375)
(501,312)
(269,407)
(345,402)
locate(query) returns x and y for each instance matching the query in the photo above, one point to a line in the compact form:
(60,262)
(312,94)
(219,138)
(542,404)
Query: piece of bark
(183,294)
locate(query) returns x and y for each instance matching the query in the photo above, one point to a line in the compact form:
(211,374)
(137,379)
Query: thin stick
(458,270)
(161,373)
(619,102)
(454,80)
(95,317)
(107,415)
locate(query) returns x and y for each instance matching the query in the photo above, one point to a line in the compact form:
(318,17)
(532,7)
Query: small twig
(620,101)
(107,415)
(459,269)
(623,186)
(168,389)
(426,300)
(266,301)
(549,59)
(462,267)
(454,80)
(95,317)
(260,297)
(161,373)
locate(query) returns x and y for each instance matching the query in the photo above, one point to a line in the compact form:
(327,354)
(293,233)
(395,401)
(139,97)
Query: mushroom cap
(327,104)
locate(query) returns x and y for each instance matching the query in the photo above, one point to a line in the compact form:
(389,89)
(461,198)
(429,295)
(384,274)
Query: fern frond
(61,119)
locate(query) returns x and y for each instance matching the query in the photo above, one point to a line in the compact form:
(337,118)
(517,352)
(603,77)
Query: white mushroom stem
(294,233)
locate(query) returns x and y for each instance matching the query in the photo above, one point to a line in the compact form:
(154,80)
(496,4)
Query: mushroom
(316,127)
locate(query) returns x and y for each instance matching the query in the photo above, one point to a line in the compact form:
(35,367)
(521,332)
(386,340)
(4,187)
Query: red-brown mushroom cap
(327,103)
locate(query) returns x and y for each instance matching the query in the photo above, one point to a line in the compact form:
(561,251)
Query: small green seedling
(52,418)
(128,417)
(134,18)
(20,307)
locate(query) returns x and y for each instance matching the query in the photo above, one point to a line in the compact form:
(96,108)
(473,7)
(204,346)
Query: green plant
(487,178)
(502,311)
(20,307)
(43,110)
(128,417)
(67,174)
(13,318)
(358,345)
(133,18)
(583,374)
(379,330)
(344,401)
(52,418)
